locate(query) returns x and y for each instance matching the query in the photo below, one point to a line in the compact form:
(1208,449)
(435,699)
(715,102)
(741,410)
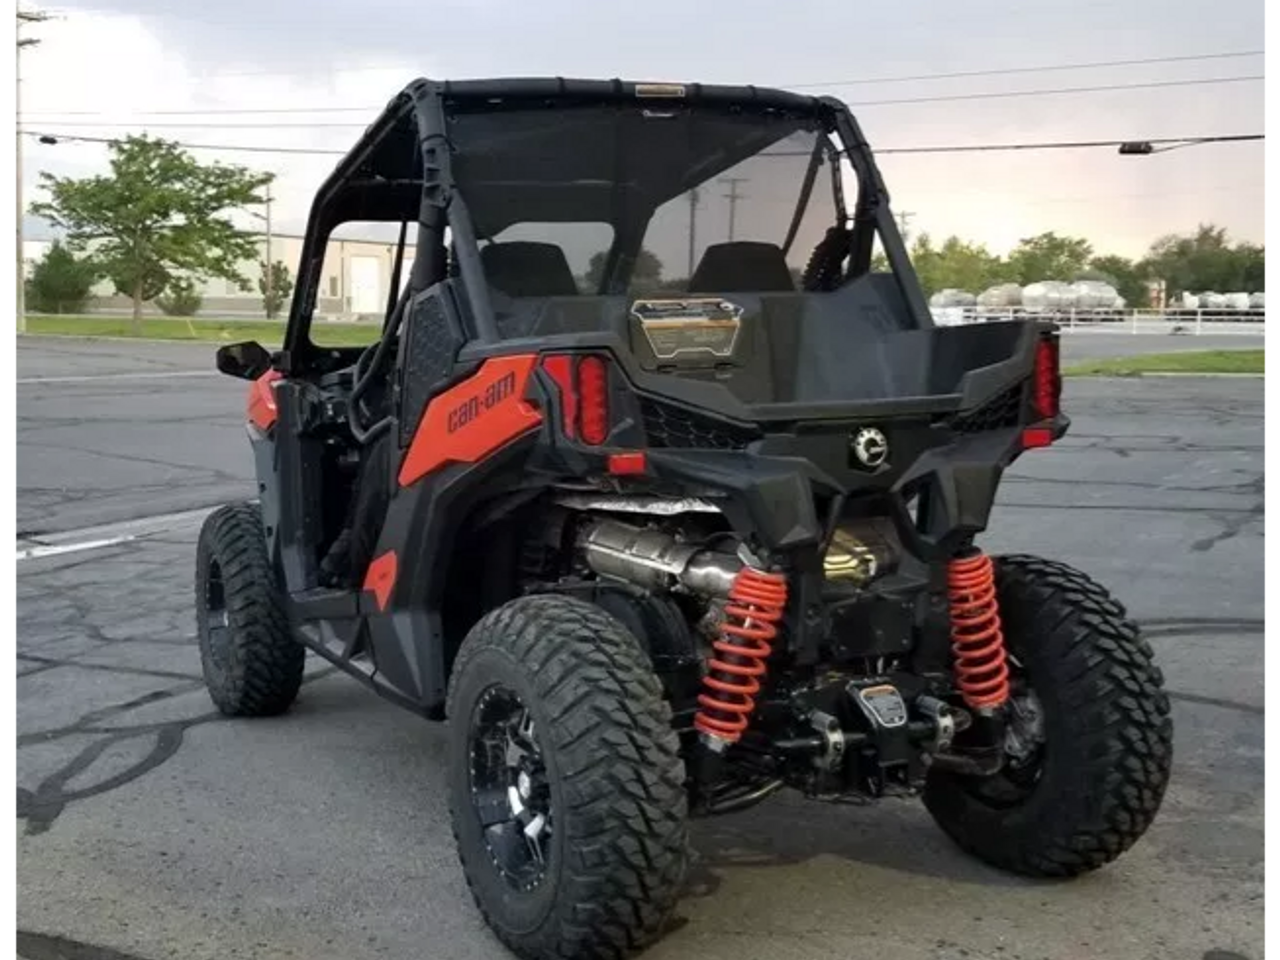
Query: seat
(742,266)
(523,268)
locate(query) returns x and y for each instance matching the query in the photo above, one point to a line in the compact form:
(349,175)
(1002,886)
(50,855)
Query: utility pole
(693,215)
(266,219)
(271,267)
(733,196)
(24,16)
(904,216)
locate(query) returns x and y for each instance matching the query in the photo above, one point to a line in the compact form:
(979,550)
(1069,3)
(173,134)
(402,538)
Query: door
(366,285)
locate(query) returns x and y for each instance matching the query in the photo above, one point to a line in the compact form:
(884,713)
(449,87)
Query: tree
(956,265)
(276,286)
(1128,278)
(1049,257)
(181,298)
(60,282)
(1205,260)
(646,274)
(159,215)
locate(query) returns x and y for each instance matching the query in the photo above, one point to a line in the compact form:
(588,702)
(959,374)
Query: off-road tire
(618,856)
(255,668)
(1108,735)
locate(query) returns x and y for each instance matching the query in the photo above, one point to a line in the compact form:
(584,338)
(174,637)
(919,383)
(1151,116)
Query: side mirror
(248,360)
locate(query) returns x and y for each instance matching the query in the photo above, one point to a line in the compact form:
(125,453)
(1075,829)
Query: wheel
(251,661)
(566,787)
(1089,744)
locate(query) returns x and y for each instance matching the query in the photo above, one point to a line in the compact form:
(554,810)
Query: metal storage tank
(951,297)
(1048,296)
(1001,297)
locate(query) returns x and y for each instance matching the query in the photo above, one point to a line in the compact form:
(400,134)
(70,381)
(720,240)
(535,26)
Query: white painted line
(54,550)
(165,375)
(38,545)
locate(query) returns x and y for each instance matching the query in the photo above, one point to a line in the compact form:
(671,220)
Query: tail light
(1048,379)
(584,395)
(593,399)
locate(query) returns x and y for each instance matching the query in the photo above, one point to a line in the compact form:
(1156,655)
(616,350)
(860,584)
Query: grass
(1197,361)
(266,332)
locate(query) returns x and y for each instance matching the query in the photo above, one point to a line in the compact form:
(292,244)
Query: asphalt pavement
(150,828)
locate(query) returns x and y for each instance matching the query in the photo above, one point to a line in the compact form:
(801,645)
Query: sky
(103,69)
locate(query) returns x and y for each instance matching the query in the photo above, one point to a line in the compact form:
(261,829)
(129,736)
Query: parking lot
(151,828)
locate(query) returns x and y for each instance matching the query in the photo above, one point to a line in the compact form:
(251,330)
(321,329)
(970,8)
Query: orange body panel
(262,400)
(381,577)
(471,420)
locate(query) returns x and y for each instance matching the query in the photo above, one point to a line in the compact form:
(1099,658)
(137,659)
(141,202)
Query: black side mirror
(248,360)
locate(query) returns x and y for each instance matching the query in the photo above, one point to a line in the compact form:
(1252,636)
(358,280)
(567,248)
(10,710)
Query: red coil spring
(756,604)
(976,636)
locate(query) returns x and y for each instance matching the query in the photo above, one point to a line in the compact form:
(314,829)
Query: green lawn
(217,331)
(1199,361)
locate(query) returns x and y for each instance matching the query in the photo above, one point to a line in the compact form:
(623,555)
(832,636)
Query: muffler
(656,560)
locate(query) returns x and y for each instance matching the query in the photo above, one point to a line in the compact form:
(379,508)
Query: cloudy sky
(109,67)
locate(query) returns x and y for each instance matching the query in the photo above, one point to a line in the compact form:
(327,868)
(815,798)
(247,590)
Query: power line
(935,98)
(952,148)
(1067,144)
(1006,94)
(1006,71)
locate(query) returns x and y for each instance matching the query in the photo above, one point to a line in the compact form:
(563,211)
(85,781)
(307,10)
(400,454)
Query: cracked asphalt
(151,828)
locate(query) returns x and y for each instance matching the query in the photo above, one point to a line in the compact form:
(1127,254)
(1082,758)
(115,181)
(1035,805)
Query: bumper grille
(1002,411)
(668,425)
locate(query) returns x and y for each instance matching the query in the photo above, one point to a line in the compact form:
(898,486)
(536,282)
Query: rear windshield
(638,201)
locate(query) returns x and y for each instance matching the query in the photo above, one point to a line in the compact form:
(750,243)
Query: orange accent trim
(471,420)
(262,400)
(380,578)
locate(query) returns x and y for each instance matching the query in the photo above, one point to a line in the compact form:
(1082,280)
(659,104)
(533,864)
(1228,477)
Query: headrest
(527,269)
(742,266)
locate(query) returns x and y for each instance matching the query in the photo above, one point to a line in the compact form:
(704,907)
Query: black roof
(375,180)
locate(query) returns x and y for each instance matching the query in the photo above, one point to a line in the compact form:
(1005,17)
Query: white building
(354,283)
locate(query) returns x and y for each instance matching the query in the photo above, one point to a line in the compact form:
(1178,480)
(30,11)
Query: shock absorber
(977,639)
(756,603)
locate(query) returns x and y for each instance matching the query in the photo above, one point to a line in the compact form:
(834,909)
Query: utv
(662,486)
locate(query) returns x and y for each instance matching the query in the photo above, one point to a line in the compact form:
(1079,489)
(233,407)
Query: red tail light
(593,399)
(583,382)
(1048,379)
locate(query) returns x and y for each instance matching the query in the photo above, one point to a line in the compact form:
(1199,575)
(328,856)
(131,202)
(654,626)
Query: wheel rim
(509,788)
(216,618)
(1025,746)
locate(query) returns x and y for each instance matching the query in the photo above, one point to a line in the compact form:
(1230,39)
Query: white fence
(1170,322)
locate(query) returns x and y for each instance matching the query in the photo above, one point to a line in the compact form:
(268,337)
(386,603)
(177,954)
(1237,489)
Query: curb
(1169,375)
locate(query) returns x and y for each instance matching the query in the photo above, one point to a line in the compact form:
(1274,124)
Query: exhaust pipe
(656,560)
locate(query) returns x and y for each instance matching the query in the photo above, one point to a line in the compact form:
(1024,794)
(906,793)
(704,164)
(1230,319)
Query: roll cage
(401,171)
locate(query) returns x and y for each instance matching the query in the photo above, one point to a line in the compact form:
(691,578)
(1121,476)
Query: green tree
(1127,277)
(646,274)
(60,282)
(158,215)
(181,298)
(1048,257)
(276,286)
(957,264)
(1253,267)
(1205,260)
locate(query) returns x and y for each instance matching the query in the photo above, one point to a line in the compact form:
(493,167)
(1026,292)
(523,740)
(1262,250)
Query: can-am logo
(871,447)
(471,408)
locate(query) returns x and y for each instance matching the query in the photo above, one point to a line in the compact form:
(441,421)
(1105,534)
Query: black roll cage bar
(403,158)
